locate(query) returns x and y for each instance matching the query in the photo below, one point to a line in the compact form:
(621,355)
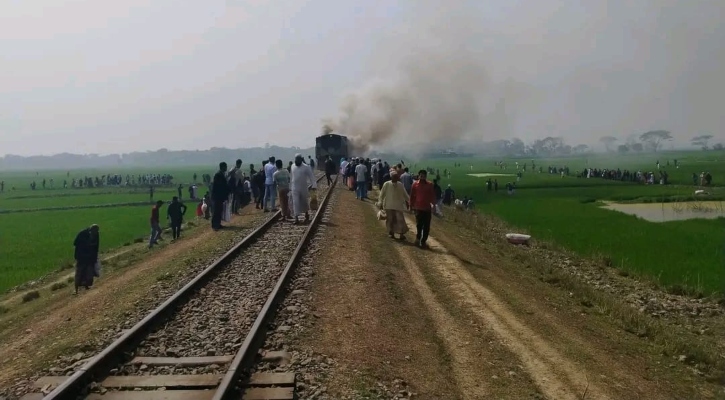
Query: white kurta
(302,178)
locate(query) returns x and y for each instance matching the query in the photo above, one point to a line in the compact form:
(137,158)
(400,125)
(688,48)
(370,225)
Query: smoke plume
(429,89)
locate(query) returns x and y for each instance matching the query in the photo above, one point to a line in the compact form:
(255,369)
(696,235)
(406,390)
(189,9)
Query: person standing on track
(329,170)
(282,180)
(302,179)
(270,191)
(175,213)
(155,225)
(258,187)
(422,197)
(394,200)
(219,194)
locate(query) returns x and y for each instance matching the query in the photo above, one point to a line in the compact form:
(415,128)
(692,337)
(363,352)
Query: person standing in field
(302,179)
(179,190)
(175,213)
(422,196)
(282,180)
(219,194)
(151,193)
(86,255)
(155,225)
(394,200)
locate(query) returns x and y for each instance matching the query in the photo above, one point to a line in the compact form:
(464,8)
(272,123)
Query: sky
(107,76)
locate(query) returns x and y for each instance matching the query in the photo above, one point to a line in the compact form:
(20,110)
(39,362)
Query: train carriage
(331,145)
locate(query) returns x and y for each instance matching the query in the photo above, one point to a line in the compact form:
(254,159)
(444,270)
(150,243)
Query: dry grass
(673,339)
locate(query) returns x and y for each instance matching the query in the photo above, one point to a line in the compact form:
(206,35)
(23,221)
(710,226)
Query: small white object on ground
(517,238)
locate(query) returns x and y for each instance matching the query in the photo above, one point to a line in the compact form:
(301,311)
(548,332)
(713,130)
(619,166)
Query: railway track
(201,340)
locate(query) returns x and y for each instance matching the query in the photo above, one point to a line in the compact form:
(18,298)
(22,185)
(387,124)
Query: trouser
(216,213)
(329,178)
(236,202)
(284,202)
(155,233)
(175,228)
(270,192)
(422,223)
(258,196)
(360,189)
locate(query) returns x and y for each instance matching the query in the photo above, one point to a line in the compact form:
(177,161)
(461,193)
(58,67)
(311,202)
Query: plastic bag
(313,200)
(382,216)
(97,269)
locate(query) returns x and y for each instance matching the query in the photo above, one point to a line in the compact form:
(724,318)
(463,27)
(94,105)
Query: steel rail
(244,358)
(113,354)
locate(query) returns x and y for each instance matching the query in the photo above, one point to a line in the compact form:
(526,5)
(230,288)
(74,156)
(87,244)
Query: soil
(33,334)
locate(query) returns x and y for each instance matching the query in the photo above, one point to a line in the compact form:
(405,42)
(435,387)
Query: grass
(40,241)
(684,256)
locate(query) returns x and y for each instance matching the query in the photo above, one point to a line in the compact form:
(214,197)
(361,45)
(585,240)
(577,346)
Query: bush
(30,296)
(58,286)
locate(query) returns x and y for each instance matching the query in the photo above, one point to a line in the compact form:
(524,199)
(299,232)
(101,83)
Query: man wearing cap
(422,197)
(302,179)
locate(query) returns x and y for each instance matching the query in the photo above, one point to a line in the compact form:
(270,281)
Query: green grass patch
(37,243)
(684,256)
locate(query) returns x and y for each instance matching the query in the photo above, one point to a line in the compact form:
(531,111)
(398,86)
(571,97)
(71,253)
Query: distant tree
(608,142)
(580,148)
(701,141)
(654,139)
(718,146)
(638,147)
(622,148)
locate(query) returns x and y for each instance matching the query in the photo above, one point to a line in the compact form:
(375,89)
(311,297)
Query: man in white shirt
(270,189)
(302,179)
(360,181)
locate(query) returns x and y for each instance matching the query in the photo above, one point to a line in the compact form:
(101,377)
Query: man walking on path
(282,180)
(270,191)
(407,180)
(86,255)
(219,194)
(155,225)
(175,213)
(422,196)
(361,181)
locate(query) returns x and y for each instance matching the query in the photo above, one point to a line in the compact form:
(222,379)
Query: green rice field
(683,255)
(39,239)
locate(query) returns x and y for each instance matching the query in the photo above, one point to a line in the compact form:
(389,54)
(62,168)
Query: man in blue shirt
(270,189)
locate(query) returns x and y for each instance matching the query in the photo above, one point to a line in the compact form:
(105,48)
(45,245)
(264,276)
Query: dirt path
(59,321)
(565,353)
(368,320)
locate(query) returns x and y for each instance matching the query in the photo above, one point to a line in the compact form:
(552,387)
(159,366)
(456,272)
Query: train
(333,145)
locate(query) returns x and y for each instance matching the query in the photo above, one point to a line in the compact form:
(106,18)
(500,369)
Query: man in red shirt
(155,225)
(422,197)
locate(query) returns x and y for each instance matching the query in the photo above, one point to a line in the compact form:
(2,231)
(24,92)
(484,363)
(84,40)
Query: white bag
(97,269)
(382,216)
(226,212)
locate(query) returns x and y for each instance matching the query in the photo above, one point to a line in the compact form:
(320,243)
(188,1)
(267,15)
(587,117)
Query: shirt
(302,178)
(422,196)
(269,170)
(360,172)
(407,181)
(282,179)
(155,215)
(393,196)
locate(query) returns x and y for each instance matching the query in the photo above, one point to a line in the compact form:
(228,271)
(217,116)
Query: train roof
(331,135)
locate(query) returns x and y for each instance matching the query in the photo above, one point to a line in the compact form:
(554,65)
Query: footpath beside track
(200,341)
